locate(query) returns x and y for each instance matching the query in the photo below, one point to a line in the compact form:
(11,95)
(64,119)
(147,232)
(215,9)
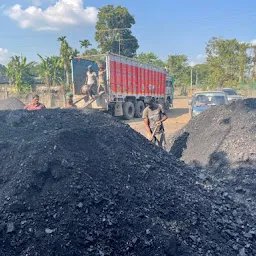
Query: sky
(165,27)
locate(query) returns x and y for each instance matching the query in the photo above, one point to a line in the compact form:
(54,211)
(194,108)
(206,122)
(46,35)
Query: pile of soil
(230,130)
(11,104)
(82,183)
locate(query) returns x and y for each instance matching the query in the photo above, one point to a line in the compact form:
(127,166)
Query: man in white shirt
(91,81)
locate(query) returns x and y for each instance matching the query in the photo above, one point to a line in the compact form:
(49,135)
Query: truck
(128,82)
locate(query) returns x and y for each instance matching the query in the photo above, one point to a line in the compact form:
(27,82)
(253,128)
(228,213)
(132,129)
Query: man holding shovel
(154,116)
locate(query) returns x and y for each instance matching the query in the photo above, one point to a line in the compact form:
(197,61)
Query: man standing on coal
(91,81)
(154,116)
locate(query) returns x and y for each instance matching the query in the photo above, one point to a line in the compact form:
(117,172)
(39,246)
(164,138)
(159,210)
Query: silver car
(231,94)
(202,101)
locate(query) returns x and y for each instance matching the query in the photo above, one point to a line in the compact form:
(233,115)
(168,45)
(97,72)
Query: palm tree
(65,55)
(74,53)
(85,43)
(61,39)
(45,70)
(57,77)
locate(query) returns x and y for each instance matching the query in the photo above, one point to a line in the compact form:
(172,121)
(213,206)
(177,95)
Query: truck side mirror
(189,102)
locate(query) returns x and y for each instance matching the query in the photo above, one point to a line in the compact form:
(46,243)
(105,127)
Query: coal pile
(81,183)
(237,182)
(228,129)
(11,104)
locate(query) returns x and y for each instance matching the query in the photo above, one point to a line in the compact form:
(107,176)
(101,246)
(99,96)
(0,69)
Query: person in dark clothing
(154,116)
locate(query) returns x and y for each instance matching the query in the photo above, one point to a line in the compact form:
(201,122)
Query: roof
(209,92)
(227,89)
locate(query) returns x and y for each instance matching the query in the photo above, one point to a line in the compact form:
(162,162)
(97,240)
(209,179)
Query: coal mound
(236,182)
(229,129)
(82,183)
(11,104)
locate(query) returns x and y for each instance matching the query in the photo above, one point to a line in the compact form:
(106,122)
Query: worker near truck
(35,104)
(91,82)
(101,83)
(154,116)
(69,101)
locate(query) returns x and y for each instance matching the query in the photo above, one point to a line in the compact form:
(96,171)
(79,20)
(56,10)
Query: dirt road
(178,117)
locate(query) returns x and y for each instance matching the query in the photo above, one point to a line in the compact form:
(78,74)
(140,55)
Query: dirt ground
(178,117)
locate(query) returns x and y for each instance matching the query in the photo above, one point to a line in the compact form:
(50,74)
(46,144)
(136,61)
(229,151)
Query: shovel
(153,134)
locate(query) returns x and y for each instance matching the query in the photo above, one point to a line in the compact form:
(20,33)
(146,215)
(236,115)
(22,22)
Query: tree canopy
(227,60)
(113,31)
(151,58)
(50,70)
(179,68)
(19,72)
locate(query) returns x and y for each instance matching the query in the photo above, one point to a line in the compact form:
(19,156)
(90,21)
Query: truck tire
(128,110)
(139,107)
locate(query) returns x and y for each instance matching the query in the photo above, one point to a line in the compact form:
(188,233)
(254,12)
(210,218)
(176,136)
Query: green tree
(66,53)
(244,61)
(34,71)
(3,70)
(253,61)
(50,71)
(227,61)
(19,72)
(74,53)
(90,52)
(179,68)
(151,58)
(201,75)
(85,44)
(113,31)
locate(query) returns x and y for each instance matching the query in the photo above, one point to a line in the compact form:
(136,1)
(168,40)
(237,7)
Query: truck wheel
(128,110)
(139,107)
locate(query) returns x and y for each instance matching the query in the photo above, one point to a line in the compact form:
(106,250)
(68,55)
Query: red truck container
(128,82)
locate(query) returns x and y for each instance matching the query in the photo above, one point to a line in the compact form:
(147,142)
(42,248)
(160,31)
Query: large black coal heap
(82,183)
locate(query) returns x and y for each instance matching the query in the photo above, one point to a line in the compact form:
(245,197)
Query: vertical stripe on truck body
(134,78)
(113,75)
(130,77)
(118,76)
(136,83)
(124,76)
(146,81)
(139,80)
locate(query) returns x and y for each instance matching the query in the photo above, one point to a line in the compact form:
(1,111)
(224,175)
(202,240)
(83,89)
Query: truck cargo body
(128,82)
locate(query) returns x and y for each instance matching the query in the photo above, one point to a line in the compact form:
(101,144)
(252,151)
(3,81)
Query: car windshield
(209,99)
(230,92)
